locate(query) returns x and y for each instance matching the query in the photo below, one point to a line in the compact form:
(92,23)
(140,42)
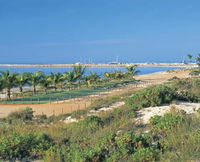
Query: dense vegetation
(152,96)
(185,90)
(110,136)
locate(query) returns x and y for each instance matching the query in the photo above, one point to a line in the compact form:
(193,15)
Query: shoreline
(189,65)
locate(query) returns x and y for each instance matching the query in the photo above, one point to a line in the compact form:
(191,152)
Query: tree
(45,82)
(1,83)
(91,79)
(133,70)
(190,57)
(69,77)
(22,80)
(198,60)
(118,74)
(35,79)
(79,72)
(9,81)
(56,79)
(108,75)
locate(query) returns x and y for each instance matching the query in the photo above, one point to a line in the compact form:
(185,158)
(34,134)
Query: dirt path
(68,106)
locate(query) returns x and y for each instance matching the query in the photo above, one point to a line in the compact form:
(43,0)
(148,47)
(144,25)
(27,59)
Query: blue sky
(67,31)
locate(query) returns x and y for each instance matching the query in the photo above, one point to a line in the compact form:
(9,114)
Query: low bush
(30,146)
(79,113)
(26,114)
(54,154)
(161,125)
(105,102)
(41,118)
(56,118)
(173,78)
(129,147)
(192,85)
(195,73)
(145,155)
(152,96)
(187,96)
(92,122)
(181,142)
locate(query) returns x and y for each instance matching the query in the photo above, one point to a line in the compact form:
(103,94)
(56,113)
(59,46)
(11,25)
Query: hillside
(113,128)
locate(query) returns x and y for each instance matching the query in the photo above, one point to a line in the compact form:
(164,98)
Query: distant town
(110,64)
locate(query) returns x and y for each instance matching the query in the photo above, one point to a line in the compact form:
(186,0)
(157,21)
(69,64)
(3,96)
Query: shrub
(129,143)
(195,73)
(198,110)
(41,118)
(54,154)
(56,118)
(187,96)
(173,78)
(24,146)
(146,154)
(153,96)
(94,154)
(161,125)
(26,114)
(79,113)
(188,87)
(92,122)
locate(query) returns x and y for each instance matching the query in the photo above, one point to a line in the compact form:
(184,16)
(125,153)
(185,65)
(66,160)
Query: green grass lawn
(55,96)
(58,96)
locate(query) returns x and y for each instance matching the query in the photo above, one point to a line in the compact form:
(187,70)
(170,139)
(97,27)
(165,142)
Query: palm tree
(119,74)
(92,78)
(45,82)
(9,81)
(35,79)
(22,80)
(108,75)
(69,77)
(79,72)
(1,83)
(190,57)
(133,70)
(198,60)
(56,79)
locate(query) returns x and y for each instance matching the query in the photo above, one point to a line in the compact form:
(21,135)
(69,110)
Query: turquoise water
(99,70)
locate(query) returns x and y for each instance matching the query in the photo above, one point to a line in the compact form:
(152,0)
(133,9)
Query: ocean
(98,70)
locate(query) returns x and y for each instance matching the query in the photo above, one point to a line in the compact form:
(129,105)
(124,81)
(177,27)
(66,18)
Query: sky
(69,31)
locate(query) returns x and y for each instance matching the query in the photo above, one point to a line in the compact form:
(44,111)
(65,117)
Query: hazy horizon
(85,62)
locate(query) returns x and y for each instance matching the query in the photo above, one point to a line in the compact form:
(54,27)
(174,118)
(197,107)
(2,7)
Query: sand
(146,113)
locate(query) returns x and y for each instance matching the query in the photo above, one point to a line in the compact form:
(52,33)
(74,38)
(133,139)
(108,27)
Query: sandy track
(71,105)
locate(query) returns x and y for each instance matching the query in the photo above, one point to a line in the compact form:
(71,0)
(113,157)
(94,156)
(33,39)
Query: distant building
(78,63)
(113,63)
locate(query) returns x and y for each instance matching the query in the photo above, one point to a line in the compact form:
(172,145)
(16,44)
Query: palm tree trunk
(34,89)
(21,89)
(8,94)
